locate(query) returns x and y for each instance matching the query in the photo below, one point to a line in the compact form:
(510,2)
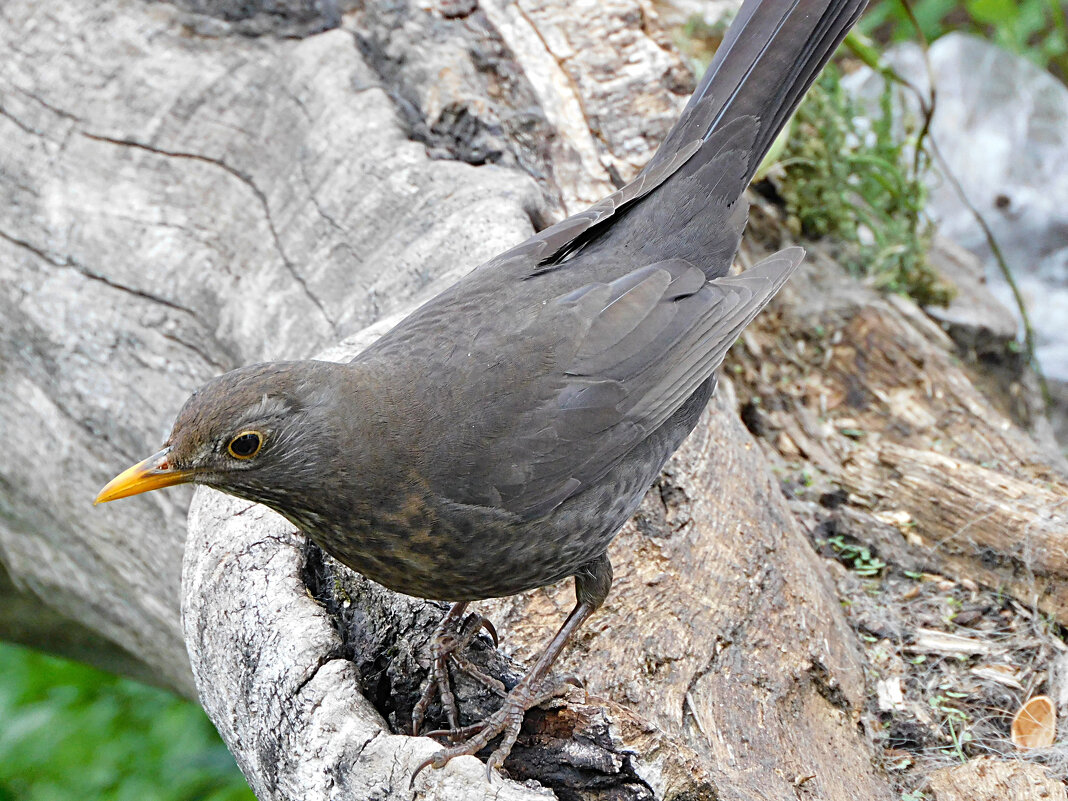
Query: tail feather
(771,54)
(687,202)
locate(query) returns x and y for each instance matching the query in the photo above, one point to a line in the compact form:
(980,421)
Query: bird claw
(484,622)
(426,763)
(464,731)
(448,645)
(506,721)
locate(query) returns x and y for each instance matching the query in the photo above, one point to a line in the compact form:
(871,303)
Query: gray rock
(1001,124)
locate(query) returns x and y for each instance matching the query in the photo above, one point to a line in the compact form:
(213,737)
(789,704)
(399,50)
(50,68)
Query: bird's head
(258,432)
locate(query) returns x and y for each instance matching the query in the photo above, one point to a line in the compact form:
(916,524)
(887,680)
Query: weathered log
(876,406)
(992,779)
(183,200)
(175,206)
(26,620)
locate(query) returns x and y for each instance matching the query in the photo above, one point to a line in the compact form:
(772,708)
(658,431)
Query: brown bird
(497,438)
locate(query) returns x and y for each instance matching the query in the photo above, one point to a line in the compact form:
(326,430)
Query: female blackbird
(498,437)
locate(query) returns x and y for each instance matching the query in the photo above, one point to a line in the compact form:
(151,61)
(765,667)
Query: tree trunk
(183,195)
(874,402)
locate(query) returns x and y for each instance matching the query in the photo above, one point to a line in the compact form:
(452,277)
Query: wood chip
(1002,674)
(992,779)
(1035,725)
(939,642)
(891,696)
(786,446)
(895,517)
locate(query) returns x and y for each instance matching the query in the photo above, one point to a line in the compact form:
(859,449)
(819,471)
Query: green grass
(68,731)
(849,176)
(1035,29)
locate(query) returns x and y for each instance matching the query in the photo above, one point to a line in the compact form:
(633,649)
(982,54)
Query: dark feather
(584,340)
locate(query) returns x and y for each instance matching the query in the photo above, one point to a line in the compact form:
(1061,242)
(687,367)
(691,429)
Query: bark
(992,779)
(26,620)
(878,407)
(182,197)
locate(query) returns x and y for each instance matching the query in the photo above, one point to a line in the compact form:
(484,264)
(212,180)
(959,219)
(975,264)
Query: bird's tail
(687,203)
(770,56)
(772,53)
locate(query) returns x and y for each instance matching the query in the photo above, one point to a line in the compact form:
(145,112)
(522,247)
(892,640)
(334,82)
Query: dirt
(949,663)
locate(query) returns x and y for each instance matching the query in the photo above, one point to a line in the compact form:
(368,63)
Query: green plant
(1034,28)
(69,731)
(850,177)
(956,720)
(858,557)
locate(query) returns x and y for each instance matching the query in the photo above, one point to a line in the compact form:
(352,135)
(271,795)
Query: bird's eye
(245,445)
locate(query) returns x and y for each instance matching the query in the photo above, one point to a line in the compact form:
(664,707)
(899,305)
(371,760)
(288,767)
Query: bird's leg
(471,627)
(448,643)
(592,583)
(437,679)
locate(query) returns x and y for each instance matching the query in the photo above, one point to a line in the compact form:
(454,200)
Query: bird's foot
(448,646)
(506,721)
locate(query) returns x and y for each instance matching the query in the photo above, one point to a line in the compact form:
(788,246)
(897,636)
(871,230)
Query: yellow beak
(153,473)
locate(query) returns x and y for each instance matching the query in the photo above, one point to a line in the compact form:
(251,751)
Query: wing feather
(644,343)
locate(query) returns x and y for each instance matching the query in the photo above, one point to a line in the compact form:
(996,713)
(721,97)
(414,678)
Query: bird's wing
(628,355)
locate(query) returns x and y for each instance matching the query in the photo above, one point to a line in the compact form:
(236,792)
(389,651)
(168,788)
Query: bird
(497,438)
